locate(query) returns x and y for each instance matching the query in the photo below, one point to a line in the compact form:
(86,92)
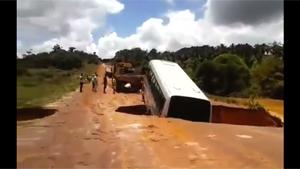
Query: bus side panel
(149,99)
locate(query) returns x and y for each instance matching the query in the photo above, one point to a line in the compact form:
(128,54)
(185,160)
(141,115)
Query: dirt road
(96,130)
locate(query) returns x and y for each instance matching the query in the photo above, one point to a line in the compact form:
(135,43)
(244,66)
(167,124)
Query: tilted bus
(169,92)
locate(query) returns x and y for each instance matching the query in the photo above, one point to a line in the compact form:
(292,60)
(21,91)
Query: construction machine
(126,78)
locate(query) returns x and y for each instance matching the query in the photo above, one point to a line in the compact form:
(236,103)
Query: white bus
(169,92)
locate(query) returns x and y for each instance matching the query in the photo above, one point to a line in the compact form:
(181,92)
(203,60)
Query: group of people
(94,79)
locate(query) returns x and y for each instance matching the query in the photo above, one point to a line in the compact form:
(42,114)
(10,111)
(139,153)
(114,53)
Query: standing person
(113,82)
(142,90)
(89,78)
(81,79)
(94,83)
(104,83)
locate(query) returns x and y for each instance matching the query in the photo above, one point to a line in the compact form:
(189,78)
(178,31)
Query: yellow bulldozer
(126,78)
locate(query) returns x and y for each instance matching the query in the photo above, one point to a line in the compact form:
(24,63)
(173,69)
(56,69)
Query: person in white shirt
(94,82)
(81,79)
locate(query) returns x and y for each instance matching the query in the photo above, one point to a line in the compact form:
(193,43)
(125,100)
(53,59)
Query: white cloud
(170,1)
(19,43)
(80,36)
(181,29)
(111,43)
(179,32)
(68,22)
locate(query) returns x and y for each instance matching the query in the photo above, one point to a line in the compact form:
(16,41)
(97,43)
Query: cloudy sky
(106,26)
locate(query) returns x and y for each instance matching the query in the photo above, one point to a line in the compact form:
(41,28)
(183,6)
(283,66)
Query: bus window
(156,91)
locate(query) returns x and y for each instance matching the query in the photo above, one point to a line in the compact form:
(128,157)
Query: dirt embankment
(243,116)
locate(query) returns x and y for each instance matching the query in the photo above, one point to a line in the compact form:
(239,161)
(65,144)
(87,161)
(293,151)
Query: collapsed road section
(97,130)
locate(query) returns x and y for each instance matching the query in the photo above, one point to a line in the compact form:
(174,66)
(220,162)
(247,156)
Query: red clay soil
(243,116)
(96,130)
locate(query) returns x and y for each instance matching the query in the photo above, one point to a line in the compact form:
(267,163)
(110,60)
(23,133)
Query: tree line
(239,70)
(57,58)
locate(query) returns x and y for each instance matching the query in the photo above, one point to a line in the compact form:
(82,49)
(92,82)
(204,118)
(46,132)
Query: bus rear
(189,108)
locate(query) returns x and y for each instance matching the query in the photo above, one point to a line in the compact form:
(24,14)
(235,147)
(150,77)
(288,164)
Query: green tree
(226,74)
(152,54)
(65,61)
(207,76)
(269,77)
(71,49)
(56,48)
(277,49)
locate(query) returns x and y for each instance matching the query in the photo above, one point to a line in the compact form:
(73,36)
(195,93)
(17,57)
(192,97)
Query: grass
(229,100)
(274,105)
(43,86)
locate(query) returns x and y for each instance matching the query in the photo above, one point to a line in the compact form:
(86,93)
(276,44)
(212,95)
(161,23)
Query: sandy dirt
(96,130)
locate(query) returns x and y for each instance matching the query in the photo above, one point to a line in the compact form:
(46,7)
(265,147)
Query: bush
(46,74)
(226,74)
(67,74)
(268,76)
(277,91)
(58,58)
(66,62)
(22,71)
(254,105)
(231,101)
(207,75)
(28,83)
(93,60)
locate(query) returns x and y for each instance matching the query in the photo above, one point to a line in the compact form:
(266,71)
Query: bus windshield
(189,108)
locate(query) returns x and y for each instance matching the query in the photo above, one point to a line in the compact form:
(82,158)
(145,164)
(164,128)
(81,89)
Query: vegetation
(238,70)
(58,58)
(45,77)
(136,56)
(253,104)
(268,77)
(230,74)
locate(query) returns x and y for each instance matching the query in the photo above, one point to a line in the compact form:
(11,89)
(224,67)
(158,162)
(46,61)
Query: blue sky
(107,26)
(137,11)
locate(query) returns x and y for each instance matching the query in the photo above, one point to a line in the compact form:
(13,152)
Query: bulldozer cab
(123,68)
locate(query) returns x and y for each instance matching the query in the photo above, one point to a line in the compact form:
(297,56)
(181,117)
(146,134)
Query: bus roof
(174,81)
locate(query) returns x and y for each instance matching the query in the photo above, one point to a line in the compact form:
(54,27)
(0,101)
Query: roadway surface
(96,130)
